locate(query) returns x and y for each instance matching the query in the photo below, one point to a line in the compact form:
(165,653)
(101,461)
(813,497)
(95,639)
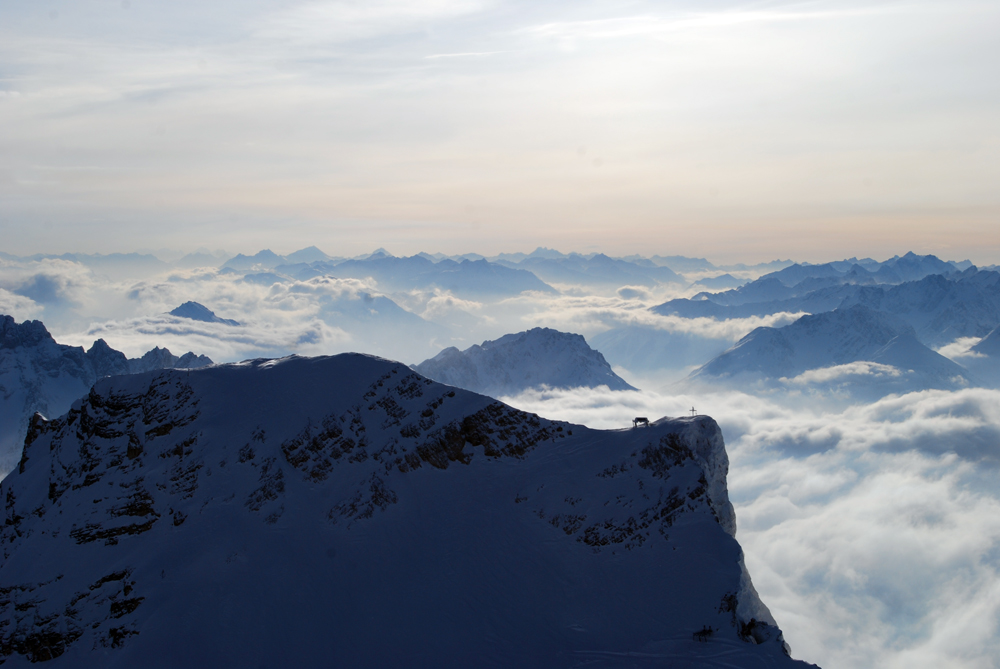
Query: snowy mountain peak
(38,374)
(825,349)
(515,362)
(199,312)
(28,333)
(301,511)
(106,361)
(306,255)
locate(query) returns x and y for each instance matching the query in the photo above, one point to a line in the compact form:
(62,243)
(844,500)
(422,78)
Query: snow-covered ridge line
(519,361)
(307,510)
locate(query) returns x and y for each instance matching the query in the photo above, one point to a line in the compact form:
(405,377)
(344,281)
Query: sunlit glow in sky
(733,130)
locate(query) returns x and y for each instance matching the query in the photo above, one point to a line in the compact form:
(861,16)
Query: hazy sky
(733,130)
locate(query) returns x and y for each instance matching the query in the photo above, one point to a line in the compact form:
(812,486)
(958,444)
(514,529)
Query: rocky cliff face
(516,362)
(349,511)
(39,375)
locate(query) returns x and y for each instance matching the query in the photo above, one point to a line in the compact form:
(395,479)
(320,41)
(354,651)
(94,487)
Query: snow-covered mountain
(346,511)
(37,374)
(799,279)
(854,349)
(199,312)
(940,308)
(162,358)
(515,362)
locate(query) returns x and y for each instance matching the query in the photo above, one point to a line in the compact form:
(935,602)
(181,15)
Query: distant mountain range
(37,374)
(596,270)
(940,307)
(516,362)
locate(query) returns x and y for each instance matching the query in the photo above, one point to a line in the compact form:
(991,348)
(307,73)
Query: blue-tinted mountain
(38,374)
(596,270)
(468,278)
(346,511)
(516,362)
(940,308)
(199,312)
(824,350)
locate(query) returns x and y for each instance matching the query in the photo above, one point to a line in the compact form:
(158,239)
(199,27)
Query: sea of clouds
(872,531)
(320,316)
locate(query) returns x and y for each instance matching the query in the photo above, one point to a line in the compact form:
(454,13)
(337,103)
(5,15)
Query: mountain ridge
(519,361)
(37,374)
(457,528)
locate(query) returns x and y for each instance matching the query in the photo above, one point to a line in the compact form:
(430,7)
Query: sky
(737,131)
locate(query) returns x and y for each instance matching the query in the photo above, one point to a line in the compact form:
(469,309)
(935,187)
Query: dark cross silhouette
(693,412)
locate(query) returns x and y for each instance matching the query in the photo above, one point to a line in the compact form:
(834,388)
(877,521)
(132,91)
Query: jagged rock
(39,375)
(162,358)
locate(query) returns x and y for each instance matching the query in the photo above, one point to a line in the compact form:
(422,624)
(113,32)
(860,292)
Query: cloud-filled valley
(862,485)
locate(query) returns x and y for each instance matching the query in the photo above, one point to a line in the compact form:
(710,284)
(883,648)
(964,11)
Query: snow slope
(515,362)
(346,511)
(37,374)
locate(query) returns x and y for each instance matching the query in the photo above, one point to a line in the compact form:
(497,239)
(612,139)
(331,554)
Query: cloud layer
(320,316)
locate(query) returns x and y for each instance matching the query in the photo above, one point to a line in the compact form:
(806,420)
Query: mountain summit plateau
(346,511)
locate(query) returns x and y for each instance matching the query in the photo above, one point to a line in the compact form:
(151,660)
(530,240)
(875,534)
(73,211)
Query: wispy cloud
(343,20)
(658,24)
(851,370)
(469,54)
